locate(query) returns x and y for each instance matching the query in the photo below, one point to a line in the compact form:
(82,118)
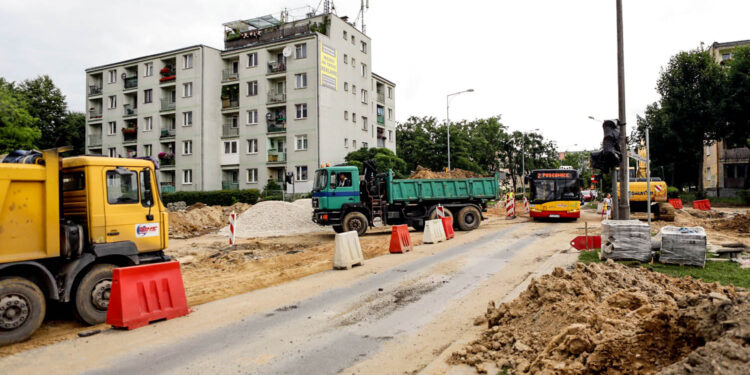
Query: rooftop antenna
(326,6)
(363,6)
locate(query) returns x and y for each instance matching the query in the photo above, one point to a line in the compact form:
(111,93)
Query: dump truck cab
(335,190)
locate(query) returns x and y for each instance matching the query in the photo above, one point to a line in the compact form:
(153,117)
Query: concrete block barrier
(433,231)
(348,251)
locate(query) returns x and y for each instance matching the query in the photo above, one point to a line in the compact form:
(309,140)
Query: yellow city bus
(555,193)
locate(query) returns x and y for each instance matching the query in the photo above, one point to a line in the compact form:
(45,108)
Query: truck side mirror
(147,190)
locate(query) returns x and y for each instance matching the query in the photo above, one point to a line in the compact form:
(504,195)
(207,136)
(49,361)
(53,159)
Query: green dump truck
(346,202)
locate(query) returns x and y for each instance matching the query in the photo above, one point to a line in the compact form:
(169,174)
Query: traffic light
(289,179)
(609,156)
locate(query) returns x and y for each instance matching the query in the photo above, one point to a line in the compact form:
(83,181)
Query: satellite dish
(124,76)
(287,51)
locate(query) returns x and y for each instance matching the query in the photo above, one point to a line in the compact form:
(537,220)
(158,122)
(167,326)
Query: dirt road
(394,314)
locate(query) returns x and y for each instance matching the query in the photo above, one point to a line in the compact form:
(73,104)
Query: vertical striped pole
(232,227)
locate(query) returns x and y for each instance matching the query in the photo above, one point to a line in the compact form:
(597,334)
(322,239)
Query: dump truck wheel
(338,228)
(22,309)
(469,218)
(355,221)
(92,295)
(665,212)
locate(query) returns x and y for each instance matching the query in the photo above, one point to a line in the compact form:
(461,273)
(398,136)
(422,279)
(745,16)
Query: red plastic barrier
(703,204)
(400,239)
(448,227)
(594,242)
(143,294)
(676,203)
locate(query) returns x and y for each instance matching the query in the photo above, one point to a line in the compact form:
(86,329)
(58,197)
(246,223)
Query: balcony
(381,142)
(381,119)
(230,103)
(229,75)
(229,185)
(167,163)
(276,127)
(130,82)
(381,98)
(95,114)
(276,97)
(168,75)
(275,67)
(129,135)
(166,187)
(95,90)
(95,140)
(129,110)
(276,157)
(167,133)
(230,130)
(167,105)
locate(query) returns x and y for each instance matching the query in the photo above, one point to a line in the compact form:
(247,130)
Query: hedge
(213,198)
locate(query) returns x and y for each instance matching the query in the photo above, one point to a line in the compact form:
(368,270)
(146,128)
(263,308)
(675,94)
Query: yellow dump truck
(65,223)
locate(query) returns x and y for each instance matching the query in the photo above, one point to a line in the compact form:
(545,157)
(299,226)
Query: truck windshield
(321,180)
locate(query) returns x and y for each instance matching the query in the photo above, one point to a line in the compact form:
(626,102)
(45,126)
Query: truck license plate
(554,216)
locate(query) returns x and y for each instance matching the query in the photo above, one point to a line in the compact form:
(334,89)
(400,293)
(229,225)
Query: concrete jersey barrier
(348,251)
(433,231)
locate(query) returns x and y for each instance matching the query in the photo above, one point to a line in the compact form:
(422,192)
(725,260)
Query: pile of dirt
(615,319)
(276,218)
(424,173)
(200,219)
(710,214)
(739,223)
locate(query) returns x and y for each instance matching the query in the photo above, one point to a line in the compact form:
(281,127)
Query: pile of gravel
(276,218)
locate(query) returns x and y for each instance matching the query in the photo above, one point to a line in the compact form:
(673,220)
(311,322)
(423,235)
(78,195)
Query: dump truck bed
(449,189)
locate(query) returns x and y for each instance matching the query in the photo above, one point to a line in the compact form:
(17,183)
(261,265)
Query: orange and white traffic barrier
(525,204)
(232,227)
(510,208)
(440,211)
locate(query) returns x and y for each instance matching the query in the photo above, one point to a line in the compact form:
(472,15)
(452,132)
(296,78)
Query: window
(147,150)
(390,114)
(148,124)
(346,142)
(252,88)
(353,39)
(364,96)
(708,173)
(390,136)
(726,56)
(346,59)
(122,188)
(187,176)
(346,86)
(187,147)
(364,144)
(148,69)
(363,70)
(230,147)
(354,118)
(364,123)
(112,74)
(708,150)
(301,80)
(301,111)
(346,115)
(252,117)
(112,101)
(187,90)
(300,142)
(354,143)
(252,175)
(187,61)
(187,118)
(345,34)
(252,59)
(300,51)
(301,173)
(148,95)
(73,181)
(354,89)
(252,146)
(354,62)
(363,47)
(112,152)
(111,128)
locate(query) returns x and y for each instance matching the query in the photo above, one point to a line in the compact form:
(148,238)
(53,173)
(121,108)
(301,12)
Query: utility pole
(624,201)
(648,179)
(448,120)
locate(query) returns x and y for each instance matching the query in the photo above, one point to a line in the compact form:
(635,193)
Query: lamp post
(448,121)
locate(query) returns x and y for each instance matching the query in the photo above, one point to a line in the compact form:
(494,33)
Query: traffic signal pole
(624,201)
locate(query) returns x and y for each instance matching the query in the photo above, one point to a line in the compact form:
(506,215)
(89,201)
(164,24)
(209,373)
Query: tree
(73,132)
(736,133)
(17,126)
(384,158)
(580,162)
(527,151)
(47,103)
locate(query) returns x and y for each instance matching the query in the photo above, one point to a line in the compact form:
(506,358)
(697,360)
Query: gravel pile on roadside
(276,218)
(608,318)
(199,219)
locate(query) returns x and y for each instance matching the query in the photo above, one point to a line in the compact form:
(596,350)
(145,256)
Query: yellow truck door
(126,206)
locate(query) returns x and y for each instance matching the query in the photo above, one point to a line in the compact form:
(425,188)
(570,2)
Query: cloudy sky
(541,64)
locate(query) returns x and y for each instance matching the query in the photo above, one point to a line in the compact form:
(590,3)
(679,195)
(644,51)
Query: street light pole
(624,202)
(448,121)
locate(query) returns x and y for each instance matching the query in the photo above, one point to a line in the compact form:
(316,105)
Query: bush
(213,198)
(700,194)
(673,192)
(745,196)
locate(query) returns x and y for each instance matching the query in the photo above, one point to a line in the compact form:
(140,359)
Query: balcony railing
(381,119)
(275,127)
(229,185)
(95,140)
(167,187)
(130,82)
(168,163)
(129,110)
(276,157)
(129,135)
(276,97)
(167,104)
(230,103)
(230,130)
(276,67)
(95,89)
(167,133)
(230,75)
(95,114)
(381,98)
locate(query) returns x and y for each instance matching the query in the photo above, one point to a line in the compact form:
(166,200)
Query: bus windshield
(321,180)
(555,189)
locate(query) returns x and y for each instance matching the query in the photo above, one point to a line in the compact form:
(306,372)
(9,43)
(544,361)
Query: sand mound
(608,318)
(199,219)
(276,218)
(739,223)
(422,172)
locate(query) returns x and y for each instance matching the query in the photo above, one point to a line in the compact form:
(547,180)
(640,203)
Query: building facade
(725,170)
(282,96)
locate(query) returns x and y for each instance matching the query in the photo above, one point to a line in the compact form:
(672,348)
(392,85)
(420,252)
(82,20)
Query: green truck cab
(348,201)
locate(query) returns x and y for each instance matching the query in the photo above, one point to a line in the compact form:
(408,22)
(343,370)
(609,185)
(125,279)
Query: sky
(545,64)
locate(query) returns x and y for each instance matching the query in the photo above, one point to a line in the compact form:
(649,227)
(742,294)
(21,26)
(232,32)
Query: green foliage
(384,158)
(673,192)
(580,162)
(212,198)
(47,103)
(17,127)
(272,191)
(736,133)
(744,196)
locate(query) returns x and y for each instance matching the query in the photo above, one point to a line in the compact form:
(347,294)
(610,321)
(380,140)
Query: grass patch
(726,273)
(590,205)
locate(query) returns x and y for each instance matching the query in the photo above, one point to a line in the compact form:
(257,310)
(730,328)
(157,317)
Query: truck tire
(338,229)
(91,297)
(355,221)
(469,218)
(22,309)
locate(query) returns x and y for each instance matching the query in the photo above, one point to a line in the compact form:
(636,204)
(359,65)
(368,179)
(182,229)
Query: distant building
(284,95)
(725,170)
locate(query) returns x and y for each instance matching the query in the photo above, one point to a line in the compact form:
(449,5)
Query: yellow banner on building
(328,67)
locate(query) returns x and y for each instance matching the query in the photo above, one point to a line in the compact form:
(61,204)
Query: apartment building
(284,95)
(725,170)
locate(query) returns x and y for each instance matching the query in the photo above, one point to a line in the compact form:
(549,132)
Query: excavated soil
(609,318)
(200,219)
(422,173)
(739,223)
